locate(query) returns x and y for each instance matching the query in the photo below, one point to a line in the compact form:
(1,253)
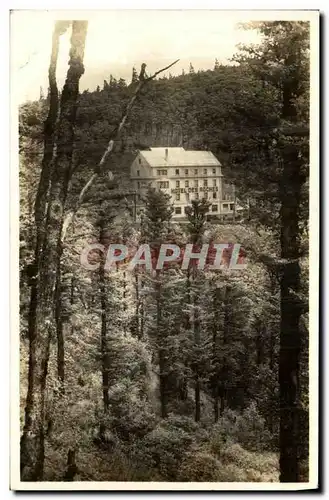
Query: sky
(118,40)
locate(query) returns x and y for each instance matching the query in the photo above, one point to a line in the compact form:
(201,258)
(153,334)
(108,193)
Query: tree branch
(161,70)
(114,136)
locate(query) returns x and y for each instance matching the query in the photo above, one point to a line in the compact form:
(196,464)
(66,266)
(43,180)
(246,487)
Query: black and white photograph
(164,324)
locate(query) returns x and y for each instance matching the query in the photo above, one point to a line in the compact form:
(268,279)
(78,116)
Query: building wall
(183,184)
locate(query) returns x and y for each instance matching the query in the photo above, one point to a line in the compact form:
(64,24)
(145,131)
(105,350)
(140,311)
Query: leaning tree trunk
(43,326)
(46,168)
(40,214)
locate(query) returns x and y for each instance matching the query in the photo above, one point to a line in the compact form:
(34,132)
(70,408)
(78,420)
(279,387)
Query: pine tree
(156,229)
(281,63)
(134,77)
(197,217)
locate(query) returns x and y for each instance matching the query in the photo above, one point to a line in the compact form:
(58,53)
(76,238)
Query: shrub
(199,466)
(256,466)
(130,414)
(247,429)
(163,448)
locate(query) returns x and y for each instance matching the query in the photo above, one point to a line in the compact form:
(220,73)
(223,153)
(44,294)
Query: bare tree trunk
(60,331)
(259,342)
(292,180)
(71,466)
(196,335)
(161,353)
(215,348)
(186,320)
(49,130)
(44,183)
(163,384)
(124,297)
(196,327)
(42,319)
(290,339)
(136,329)
(103,297)
(142,313)
(224,368)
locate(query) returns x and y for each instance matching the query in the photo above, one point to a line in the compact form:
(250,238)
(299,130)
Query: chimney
(166,154)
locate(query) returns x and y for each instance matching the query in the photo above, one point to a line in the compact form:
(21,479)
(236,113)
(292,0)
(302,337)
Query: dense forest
(171,375)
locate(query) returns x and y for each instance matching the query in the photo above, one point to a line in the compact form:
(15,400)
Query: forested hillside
(175,375)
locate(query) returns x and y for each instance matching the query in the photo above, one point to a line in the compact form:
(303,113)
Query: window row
(196,183)
(177,172)
(178,210)
(196,171)
(187,196)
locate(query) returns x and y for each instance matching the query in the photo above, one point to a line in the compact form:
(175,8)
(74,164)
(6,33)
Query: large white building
(185,176)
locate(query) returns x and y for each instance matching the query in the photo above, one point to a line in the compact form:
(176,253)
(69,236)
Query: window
(214,171)
(205,171)
(214,182)
(214,195)
(178,210)
(177,196)
(139,161)
(163,184)
(186,184)
(186,209)
(177,171)
(138,185)
(186,171)
(137,173)
(195,171)
(232,206)
(196,183)
(205,195)
(196,196)
(161,172)
(214,208)
(225,206)
(205,183)
(187,196)
(177,184)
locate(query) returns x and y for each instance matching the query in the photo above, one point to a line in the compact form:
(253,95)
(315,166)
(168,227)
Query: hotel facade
(185,176)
